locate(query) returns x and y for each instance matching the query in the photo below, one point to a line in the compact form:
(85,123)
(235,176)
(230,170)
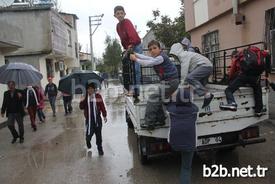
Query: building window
(50,69)
(270,33)
(74,24)
(210,42)
(62,74)
(56,65)
(76,49)
(69,38)
(200,11)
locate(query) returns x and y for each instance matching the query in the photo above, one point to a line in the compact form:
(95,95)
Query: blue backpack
(183,116)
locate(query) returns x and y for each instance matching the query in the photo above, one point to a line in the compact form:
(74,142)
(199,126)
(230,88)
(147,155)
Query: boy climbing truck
(216,129)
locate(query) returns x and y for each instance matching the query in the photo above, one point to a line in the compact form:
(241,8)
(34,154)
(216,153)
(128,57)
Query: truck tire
(142,150)
(129,121)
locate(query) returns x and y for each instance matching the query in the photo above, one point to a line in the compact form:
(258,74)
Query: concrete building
(50,40)
(10,41)
(85,60)
(149,36)
(221,24)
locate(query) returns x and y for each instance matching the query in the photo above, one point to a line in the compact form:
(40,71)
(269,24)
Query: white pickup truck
(215,129)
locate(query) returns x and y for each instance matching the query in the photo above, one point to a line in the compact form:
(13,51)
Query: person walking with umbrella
(51,91)
(20,74)
(13,107)
(93,106)
(31,103)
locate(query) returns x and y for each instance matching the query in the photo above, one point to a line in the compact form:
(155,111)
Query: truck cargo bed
(211,120)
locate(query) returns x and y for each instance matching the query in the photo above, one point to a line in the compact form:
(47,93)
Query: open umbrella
(20,73)
(75,82)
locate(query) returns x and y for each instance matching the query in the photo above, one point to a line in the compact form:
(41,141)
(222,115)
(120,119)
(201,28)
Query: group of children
(195,71)
(167,72)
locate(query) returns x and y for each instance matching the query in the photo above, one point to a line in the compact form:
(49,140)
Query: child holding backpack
(249,64)
(168,75)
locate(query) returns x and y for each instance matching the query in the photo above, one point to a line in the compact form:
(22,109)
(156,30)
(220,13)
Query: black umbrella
(75,82)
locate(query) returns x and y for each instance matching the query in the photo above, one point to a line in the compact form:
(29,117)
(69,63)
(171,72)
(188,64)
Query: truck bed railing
(221,60)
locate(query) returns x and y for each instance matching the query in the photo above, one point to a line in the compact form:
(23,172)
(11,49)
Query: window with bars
(210,42)
(50,68)
(69,38)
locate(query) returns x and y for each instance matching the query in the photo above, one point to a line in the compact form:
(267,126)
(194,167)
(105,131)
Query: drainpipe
(235,6)
(239,17)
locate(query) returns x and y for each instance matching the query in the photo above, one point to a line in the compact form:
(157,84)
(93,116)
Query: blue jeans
(52,102)
(40,114)
(198,78)
(242,80)
(137,49)
(186,167)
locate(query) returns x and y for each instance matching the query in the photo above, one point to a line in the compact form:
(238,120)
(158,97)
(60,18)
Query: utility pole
(94,20)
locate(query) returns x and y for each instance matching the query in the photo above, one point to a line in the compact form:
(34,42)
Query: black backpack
(252,61)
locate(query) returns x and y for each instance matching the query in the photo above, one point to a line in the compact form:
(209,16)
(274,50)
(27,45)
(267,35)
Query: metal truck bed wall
(211,120)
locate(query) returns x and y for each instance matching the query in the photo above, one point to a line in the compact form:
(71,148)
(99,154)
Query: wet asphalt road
(56,154)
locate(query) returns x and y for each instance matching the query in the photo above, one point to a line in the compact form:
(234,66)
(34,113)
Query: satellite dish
(6,3)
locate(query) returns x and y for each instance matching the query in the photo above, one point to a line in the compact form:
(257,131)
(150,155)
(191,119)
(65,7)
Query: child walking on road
(93,107)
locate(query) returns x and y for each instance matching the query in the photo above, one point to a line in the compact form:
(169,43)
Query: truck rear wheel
(129,121)
(142,150)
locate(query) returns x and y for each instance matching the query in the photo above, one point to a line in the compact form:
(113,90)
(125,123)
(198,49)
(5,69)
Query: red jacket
(127,33)
(40,99)
(99,104)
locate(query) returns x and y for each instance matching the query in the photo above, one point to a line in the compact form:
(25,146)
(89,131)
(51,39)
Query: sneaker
(100,152)
(14,140)
(160,123)
(207,101)
(34,129)
(21,140)
(259,114)
(147,126)
(231,107)
(136,100)
(89,150)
